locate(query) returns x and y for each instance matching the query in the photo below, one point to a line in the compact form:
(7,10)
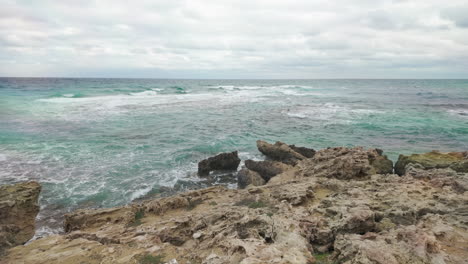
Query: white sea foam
(459,112)
(3,157)
(68,95)
(145,93)
(328,112)
(140,193)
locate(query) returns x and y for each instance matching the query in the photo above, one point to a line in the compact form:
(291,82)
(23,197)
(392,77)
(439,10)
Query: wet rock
(223,161)
(458,161)
(346,163)
(282,152)
(247,177)
(18,210)
(267,169)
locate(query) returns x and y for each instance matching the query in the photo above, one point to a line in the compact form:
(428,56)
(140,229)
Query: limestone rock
(346,163)
(223,161)
(350,215)
(247,177)
(267,169)
(282,152)
(18,210)
(458,161)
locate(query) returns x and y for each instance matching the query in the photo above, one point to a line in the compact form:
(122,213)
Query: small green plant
(137,219)
(251,203)
(213,203)
(149,259)
(323,258)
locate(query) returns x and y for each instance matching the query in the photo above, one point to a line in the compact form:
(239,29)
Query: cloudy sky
(235,38)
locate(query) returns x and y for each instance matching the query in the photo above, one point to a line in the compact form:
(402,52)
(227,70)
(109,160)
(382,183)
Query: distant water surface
(105,142)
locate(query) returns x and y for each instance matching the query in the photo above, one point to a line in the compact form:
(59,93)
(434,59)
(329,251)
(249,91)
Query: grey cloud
(459,15)
(228,38)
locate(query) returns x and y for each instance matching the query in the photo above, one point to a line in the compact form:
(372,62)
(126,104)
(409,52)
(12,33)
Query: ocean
(106,142)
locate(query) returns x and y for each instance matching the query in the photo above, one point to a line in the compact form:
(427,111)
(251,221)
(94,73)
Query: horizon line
(160,78)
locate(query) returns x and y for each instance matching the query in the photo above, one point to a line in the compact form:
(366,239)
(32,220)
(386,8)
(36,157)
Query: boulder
(267,169)
(247,177)
(223,161)
(18,210)
(458,161)
(346,163)
(282,152)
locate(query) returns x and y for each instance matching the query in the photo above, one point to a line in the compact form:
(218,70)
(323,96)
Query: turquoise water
(105,142)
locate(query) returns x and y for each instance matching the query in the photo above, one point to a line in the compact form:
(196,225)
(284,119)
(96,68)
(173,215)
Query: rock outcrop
(246,177)
(332,208)
(18,210)
(223,161)
(267,169)
(458,161)
(346,163)
(282,152)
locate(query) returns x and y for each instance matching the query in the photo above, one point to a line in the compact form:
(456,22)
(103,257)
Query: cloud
(458,15)
(234,39)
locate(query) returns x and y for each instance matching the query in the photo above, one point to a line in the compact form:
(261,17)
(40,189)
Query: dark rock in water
(246,177)
(223,161)
(282,152)
(18,210)
(458,161)
(267,169)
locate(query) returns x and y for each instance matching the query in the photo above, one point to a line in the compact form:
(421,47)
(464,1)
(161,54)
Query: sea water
(106,142)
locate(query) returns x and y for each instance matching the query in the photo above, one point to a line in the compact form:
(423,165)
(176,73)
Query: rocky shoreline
(335,205)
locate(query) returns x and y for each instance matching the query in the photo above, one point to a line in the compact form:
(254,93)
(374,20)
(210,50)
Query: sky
(234,38)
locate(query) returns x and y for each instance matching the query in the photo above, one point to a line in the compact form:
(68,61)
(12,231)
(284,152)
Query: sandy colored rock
(346,163)
(458,161)
(282,152)
(267,169)
(344,214)
(246,177)
(18,210)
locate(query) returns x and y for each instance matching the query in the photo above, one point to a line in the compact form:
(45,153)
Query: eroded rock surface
(18,210)
(282,152)
(346,163)
(331,208)
(246,177)
(457,161)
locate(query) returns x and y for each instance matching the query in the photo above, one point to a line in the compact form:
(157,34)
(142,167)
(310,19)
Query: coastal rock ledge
(18,210)
(339,205)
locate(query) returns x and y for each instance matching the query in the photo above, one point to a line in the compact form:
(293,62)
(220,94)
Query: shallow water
(105,142)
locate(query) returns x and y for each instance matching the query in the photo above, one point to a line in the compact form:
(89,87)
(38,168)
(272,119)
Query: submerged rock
(458,161)
(223,161)
(282,152)
(246,177)
(18,210)
(346,163)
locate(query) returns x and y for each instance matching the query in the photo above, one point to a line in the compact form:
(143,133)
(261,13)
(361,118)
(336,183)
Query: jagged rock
(18,210)
(371,219)
(223,161)
(267,169)
(282,152)
(346,163)
(458,161)
(247,177)
(439,177)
